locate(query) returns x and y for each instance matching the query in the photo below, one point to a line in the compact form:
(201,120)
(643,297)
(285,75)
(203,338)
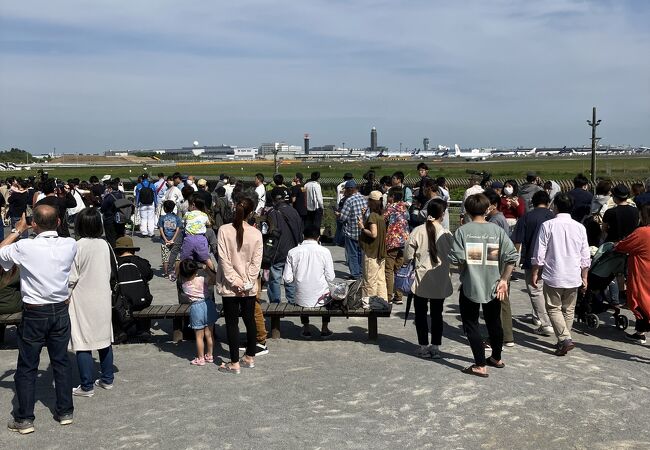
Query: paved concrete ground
(347,393)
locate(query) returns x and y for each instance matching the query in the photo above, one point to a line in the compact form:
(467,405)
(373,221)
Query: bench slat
(167,310)
(183,310)
(152,310)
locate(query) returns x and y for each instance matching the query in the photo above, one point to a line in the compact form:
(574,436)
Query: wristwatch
(16,231)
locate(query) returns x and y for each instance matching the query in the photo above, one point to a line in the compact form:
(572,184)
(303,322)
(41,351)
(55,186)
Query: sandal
(209,358)
(493,363)
(228,368)
(248,365)
(198,361)
(470,370)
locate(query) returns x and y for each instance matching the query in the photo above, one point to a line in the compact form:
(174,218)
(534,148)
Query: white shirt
(310,267)
(339,192)
(229,188)
(45,264)
(476,189)
(314,196)
(563,251)
(175,195)
(160,188)
(80,204)
(261,198)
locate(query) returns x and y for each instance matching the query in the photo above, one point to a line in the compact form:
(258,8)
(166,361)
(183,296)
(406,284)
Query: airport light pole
(593,123)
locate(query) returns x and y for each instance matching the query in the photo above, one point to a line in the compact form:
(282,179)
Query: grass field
(629,167)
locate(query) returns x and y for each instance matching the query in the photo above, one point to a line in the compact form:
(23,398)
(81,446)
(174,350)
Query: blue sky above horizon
(89,76)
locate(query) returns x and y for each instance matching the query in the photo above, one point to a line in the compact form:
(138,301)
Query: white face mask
(508,190)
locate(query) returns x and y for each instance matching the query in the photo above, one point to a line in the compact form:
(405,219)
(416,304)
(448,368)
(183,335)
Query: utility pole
(275,160)
(593,123)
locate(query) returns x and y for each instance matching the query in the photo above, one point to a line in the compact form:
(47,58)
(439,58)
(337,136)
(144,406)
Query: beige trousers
(560,306)
(374,278)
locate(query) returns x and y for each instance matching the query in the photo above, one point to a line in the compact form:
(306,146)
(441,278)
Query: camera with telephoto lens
(485,176)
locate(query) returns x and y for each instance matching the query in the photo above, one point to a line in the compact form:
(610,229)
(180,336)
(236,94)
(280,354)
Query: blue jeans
(44,326)
(354,257)
(86,363)
(339,238)
(273,288)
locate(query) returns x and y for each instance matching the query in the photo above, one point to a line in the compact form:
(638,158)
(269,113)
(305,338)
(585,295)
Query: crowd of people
(237,241)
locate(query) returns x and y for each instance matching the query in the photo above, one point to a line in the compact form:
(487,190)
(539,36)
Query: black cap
(348,176)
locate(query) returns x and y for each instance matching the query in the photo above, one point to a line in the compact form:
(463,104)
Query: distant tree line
(15,155)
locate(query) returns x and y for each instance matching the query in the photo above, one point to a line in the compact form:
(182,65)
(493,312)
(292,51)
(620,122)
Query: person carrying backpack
(285,233)
(146,199)
(114,216)
(221,211)
(131,288)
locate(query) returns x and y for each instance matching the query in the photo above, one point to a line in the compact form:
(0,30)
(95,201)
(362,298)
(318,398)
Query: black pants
(469,313)
(314,218)
(231,308)
(422,324)
(642,325)
(305,320)
(112,231)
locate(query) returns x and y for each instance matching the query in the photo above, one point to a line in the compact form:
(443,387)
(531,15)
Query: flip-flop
(492,363)
(470,370)
(248,365)
(228,368)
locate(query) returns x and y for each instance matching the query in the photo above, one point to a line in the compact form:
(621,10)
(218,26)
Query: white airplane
(516,152)
(475,154)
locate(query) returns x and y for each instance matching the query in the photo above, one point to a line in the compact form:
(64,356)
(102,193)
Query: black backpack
(124,210)
(146,195)
(132,287)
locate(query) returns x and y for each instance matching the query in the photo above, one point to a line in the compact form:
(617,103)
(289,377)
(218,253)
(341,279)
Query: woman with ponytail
(240,259)
(428,247)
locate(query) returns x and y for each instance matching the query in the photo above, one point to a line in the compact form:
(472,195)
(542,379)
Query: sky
(109,74)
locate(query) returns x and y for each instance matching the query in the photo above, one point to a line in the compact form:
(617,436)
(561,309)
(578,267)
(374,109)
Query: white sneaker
(509,344)
(101,384)
(544,331)
(81,393)
(536,322)
(261,349)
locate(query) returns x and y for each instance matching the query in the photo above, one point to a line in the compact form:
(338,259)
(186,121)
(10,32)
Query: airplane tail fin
(456,150)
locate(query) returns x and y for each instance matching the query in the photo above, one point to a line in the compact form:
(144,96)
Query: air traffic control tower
(373,140)
(306,143)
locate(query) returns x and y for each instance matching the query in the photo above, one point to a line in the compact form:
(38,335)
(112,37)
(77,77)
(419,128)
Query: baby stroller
(605,265)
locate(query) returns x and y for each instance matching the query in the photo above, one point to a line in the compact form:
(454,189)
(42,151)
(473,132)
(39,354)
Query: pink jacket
(241,265)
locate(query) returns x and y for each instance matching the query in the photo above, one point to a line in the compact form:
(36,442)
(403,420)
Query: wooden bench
(276,311)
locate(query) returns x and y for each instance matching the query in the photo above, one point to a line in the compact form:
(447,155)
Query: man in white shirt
(45,264)
(562,251)
(475,188)
(310,268)
(72,212)
(160,189)
(229,187)
(314,196)
(260,190)
(340,189)
(173,192)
